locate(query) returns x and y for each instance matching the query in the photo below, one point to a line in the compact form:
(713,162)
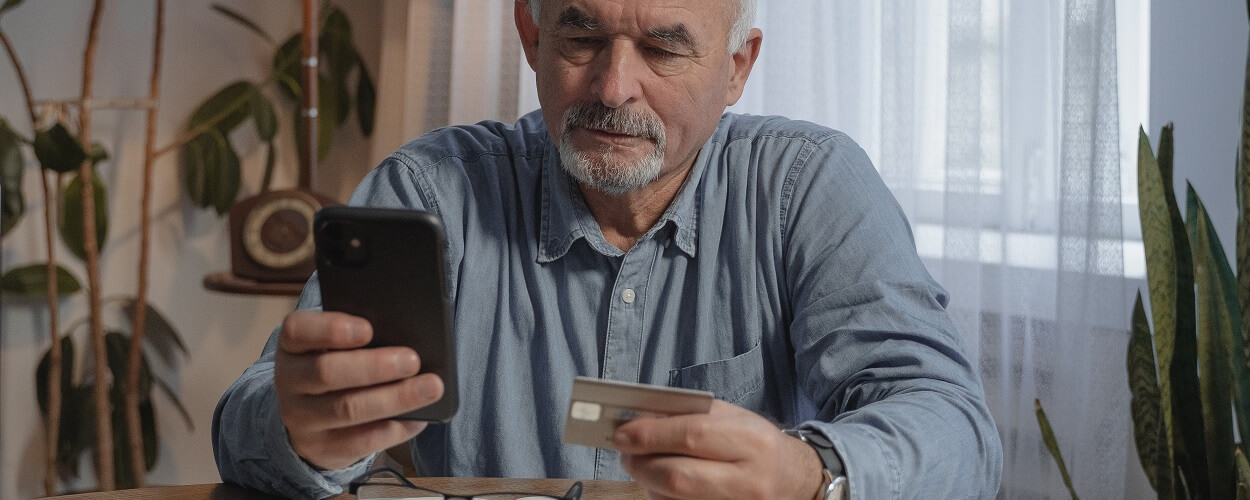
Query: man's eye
(584,40)
(659,53)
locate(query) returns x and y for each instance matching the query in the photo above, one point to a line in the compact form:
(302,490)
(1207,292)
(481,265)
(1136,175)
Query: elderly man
(631,230)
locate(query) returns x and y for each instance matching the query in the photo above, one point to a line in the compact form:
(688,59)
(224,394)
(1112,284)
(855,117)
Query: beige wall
(224,332)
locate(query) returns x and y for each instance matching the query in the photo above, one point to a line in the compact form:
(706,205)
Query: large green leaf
(118,348)
(1152,445)
(1048,437)
(59,150)
(158,332)
(1160,275)
(211,171)
(264,116)
(336,45)
(77,430)
(230,106)
(122,475)
(12,204)
(1241,356)
(366,101)
(286,67)
(32,281)
(1169,272)
(72,231)
(67,374)
(243,20)
(1216,303)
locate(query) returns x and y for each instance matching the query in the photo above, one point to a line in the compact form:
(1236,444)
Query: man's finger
(340,448)
(334,371)
(308,331)
(702,436)
(358,406)
(675,476)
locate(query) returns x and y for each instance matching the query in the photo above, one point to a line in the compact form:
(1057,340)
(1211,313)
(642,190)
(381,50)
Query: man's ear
(744,60)
(527,29)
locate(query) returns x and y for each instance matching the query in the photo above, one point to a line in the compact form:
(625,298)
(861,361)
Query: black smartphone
(387,266)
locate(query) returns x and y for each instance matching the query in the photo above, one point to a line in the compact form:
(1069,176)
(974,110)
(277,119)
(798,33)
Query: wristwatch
(833,485)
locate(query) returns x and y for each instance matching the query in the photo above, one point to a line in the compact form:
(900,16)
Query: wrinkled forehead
(701,19)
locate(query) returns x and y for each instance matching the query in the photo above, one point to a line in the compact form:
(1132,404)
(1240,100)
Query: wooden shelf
(227,282)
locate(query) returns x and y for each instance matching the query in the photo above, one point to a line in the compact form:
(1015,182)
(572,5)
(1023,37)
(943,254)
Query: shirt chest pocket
(738,380)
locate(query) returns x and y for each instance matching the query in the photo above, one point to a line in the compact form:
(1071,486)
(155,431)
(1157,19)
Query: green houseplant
(123,441)
(1188,362)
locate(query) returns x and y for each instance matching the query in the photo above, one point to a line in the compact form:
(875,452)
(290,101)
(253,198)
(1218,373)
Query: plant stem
(103,414)
(21,79)
(134,428)
(52,430)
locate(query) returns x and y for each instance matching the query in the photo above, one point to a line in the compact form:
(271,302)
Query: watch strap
(833,484)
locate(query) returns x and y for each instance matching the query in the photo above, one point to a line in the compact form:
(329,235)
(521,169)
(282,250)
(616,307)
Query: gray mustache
(594,115)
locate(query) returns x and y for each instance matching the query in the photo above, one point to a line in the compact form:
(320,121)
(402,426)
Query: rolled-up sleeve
(874,347)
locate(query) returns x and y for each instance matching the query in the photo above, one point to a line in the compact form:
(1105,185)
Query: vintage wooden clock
(271,239)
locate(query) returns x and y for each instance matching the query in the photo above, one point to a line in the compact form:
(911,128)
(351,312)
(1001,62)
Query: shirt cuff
(870,470)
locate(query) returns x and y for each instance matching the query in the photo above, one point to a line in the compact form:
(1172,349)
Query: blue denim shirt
(783,278)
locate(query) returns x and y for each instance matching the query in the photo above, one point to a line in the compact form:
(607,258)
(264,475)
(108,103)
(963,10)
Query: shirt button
(628,295)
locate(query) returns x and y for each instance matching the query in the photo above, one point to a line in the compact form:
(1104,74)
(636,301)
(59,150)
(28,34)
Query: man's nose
(618,77)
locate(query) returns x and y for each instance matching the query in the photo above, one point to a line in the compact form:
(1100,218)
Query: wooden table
(592,490)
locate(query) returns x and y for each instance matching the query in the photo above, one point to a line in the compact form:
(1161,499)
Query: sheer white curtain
(995,124)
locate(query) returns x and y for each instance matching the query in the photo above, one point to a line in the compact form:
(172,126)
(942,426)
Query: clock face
(277,233)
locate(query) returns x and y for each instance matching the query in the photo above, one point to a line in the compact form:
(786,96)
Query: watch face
(277,233)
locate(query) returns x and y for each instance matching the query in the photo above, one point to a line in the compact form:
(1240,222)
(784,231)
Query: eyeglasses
(388,484)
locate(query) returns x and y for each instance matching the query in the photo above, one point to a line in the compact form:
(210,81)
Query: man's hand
(729,452)
(334,397)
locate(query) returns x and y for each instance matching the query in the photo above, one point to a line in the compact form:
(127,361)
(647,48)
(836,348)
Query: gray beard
(607,172)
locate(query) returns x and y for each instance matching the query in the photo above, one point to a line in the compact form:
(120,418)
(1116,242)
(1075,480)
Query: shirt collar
(565,217)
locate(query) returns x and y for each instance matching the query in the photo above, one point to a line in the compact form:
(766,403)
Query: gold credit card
(597,407)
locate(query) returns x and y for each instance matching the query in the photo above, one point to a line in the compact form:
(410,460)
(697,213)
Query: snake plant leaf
(1160,272)
(1169,273)
(59,150)
(1215,306)
(158,332)
(72,231)
(1152,445)
(12,204)
(366,100)
(1240,354)
(244,21)
(9,4)
(1048,437)
(67,374)
(32,281)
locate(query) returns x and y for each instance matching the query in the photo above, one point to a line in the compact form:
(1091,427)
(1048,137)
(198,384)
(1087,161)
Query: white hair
(738,33)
